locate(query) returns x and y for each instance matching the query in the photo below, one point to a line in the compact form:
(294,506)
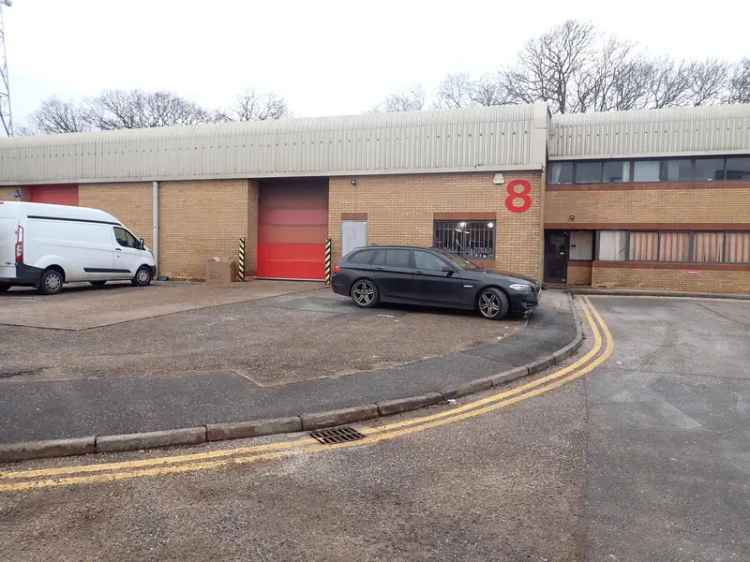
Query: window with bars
(687,247)
(471,239)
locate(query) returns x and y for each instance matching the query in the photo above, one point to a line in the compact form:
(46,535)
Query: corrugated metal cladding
(497,138)
(723,129)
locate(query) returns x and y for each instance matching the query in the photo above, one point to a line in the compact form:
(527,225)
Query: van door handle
(118,249)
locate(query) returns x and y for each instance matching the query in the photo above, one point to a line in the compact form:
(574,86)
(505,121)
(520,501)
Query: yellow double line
(25,480)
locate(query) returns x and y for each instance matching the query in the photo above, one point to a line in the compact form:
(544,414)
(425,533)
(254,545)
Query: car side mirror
(448,270)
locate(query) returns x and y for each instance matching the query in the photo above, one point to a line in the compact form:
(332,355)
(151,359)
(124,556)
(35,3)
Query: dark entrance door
(556,250)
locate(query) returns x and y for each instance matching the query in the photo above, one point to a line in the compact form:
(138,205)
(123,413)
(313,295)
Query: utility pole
(6,116)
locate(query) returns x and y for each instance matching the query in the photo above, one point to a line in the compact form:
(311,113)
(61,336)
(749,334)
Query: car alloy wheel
(493,304)
(364,293)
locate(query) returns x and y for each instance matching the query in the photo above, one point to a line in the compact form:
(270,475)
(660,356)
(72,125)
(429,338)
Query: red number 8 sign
(518,201)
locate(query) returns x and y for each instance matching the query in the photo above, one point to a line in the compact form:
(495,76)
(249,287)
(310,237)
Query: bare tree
(252,106)
(455,91)
(575,69)
(549,66)
(708,81)
(119,109)
(668,84)
(489,90)
(615,79)
(739,83)
(408,100)
(58,116)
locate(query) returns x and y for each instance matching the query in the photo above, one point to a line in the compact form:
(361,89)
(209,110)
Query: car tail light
(337,268)
(19,245)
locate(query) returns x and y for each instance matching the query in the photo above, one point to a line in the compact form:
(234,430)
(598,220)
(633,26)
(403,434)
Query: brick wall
(401,209)
(129,202)
(713,281)
(200,220)
(579,273)
(728,202)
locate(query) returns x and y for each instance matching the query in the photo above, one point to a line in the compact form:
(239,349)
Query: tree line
(575,69)
(135,109)
(572,67)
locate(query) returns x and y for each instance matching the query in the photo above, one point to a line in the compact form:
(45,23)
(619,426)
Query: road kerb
(541,364)
(255,428)
(472,387)
(333,418)
(43,449)
(509,376)
(150,440)
(400,405)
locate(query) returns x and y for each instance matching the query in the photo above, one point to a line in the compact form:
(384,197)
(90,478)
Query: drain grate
(336,435)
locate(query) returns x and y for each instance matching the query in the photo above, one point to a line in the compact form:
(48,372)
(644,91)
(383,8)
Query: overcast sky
(326,57)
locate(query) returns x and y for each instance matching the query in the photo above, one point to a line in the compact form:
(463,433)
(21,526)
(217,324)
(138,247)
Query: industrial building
(637,199)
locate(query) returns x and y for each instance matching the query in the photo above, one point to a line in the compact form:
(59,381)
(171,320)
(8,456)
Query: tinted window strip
(741,173)
(40,217)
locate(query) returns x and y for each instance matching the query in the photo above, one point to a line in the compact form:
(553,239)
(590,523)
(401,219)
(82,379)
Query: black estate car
(427,276)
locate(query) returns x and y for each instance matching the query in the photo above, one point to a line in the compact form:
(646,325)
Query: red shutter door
(292,228)
(57,194)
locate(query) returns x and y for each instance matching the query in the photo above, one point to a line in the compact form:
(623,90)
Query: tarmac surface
(267,357)
(646,457)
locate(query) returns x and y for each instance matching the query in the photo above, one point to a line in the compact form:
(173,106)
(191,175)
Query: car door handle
(379,269)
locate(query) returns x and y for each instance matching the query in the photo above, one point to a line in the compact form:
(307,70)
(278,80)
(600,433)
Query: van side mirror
(142,244)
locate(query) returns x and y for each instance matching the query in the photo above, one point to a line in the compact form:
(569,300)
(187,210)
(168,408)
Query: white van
(46,246)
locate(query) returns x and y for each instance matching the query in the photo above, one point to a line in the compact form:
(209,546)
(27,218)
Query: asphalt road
(274,357)
(646,457)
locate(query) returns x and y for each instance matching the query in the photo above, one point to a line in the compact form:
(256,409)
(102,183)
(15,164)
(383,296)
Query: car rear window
(398,258)
(362,257)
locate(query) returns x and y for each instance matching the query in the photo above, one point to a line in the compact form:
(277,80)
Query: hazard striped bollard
(328,256)
(241,260)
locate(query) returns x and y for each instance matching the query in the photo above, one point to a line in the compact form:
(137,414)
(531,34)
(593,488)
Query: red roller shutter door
(57,194)
(292,229)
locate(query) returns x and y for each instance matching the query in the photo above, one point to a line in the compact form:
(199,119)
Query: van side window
(125,239)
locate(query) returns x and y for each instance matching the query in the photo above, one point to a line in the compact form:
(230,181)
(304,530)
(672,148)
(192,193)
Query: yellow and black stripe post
(241,261)
(328,257)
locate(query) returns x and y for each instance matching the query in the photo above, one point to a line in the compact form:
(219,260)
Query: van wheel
(142,277)
(493,304)
(98,284)
(51,282)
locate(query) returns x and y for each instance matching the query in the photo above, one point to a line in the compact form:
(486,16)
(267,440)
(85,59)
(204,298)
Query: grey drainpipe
(155,223)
